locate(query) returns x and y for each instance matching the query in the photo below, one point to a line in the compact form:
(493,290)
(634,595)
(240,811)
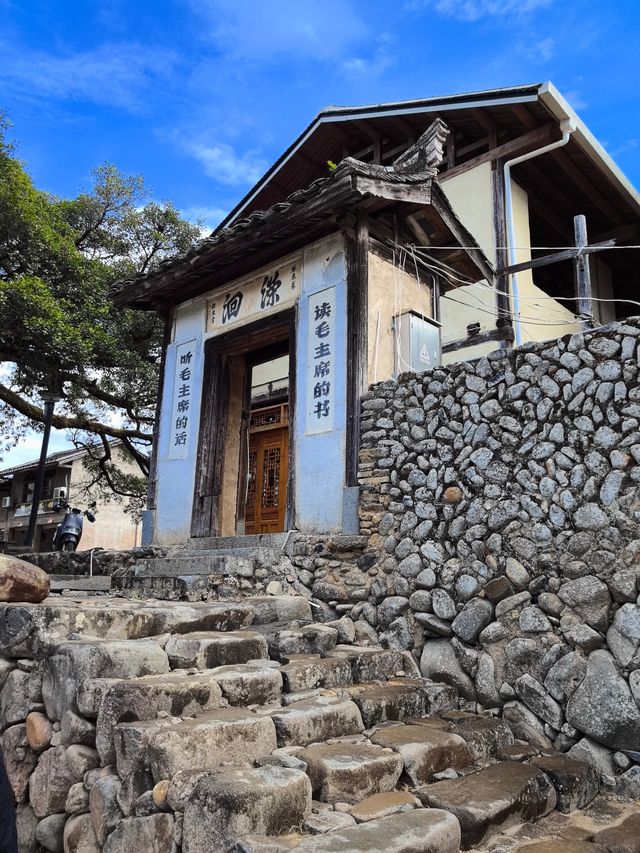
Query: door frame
(274,334)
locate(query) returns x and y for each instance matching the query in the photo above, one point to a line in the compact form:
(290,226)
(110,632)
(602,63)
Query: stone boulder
(589,598)
(153,834)
(424,750)
(576,782)
(241,801)
(22,581)
(19,759)
(175,693)
(439,663)
(347,773)
(623,637)
(603,706)
(418,831)
(77,661)
(491,799)
(57,770)
(79,836)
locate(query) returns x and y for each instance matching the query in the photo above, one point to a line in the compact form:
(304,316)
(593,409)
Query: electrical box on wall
(417,343)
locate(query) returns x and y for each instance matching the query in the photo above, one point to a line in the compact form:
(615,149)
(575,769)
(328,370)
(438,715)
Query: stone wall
(501,501)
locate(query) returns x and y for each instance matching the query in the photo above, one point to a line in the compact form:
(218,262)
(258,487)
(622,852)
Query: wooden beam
(404,127)
(557,257)
(417,193)
(473,146)
(418,231)
(357,339)
(528,141)
(484,120)
(503,333)
(367,129)
(451,151)
(622,234)
(592,192)
(524,116)
(460,233)
(561,205)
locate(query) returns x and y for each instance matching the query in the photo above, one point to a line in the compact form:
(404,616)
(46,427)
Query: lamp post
(49,399)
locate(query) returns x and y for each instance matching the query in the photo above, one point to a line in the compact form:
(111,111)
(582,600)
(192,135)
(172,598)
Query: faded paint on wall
(320,457)
(392,291)
(542,318)
(471,197)
(176,477)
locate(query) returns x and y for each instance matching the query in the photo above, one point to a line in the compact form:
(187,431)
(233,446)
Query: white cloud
(625,147)
(575,98)
(375,65)
(261,31)
(210,217)
(115,74)
(537,50)
(222,163)
(475,10)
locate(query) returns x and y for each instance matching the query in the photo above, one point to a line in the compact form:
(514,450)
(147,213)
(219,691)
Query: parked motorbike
(69,531)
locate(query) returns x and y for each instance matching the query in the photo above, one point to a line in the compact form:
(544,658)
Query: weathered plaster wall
(542,319)
(392,291)
(320,457)
(502,504)
(174,495)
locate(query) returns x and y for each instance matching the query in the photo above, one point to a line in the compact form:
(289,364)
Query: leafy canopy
(59,329)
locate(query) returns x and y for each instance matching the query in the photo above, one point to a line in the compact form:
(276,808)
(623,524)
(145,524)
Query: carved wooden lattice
(271,478)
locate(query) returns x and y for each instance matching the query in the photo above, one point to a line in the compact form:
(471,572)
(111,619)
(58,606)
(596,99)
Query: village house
(65,478)
(387,238)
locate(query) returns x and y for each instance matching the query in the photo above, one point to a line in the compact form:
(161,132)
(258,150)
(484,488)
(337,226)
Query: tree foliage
(59,329)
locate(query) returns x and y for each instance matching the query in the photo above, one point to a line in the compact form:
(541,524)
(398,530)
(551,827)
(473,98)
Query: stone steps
(195,570)
(243,725)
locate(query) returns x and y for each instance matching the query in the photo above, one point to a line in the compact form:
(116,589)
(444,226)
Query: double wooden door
(268,474)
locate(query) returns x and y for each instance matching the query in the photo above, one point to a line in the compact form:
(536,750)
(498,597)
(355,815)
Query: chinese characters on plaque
(181,411)
(273,290)
(321,363)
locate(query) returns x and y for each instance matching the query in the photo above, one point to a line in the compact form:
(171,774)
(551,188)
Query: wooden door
(268,472)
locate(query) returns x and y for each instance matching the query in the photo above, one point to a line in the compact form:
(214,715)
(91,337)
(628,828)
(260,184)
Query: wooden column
(357,337)
(582,273)
(213,426)
(503,305)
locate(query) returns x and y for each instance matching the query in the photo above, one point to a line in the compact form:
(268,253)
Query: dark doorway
(244,465)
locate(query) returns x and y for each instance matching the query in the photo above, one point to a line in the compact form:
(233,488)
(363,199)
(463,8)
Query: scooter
(69,531)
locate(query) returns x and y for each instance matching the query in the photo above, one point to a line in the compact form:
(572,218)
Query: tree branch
(63,422)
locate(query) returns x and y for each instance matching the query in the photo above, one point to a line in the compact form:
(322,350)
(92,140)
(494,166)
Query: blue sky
(200,97)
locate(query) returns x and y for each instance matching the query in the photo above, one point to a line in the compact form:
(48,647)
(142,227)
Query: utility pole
(49,399)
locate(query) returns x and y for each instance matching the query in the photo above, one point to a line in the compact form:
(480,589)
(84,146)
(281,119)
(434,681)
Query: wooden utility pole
(582,273)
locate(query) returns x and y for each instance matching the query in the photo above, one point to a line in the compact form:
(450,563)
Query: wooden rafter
(584,184)
(528,141)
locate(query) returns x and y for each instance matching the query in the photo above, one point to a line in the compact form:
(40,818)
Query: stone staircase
(245,726)
(196,570)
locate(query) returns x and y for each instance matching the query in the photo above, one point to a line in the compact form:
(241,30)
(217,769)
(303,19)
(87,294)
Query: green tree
(58,327)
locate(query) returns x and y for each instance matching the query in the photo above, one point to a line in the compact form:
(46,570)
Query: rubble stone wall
(501,500)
